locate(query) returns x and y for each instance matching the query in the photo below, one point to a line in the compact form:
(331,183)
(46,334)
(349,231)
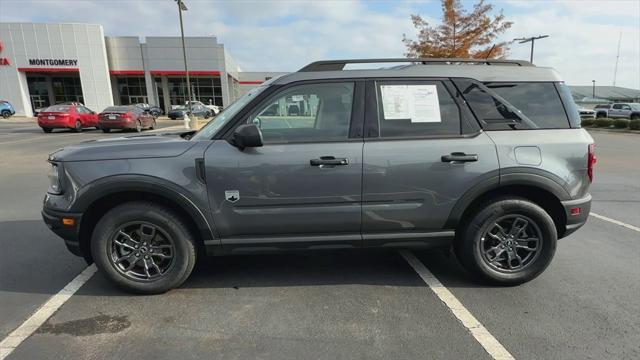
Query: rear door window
(410,109)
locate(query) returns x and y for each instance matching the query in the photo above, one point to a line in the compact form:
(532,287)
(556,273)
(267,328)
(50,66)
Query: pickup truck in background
(618,110)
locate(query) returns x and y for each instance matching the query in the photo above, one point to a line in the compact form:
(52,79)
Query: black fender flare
(99,189)
(513,177)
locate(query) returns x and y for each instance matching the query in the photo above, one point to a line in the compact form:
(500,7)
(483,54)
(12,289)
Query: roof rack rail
(336,65)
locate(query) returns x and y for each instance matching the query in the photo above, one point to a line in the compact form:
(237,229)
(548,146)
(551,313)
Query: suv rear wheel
(508,242)
(143,247)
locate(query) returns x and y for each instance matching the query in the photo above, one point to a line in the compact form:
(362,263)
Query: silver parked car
(484,156)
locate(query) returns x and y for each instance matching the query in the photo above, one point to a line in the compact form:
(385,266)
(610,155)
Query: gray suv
(484,156)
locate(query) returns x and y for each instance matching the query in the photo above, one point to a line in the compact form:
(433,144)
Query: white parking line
(614,221)
(45,311)
(491,345)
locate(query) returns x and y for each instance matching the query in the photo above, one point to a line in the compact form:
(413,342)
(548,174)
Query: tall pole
(182,6)
(532,40)
(593,89)
(615,70)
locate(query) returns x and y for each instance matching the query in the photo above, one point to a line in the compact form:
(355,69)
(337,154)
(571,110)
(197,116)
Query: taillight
(126,116)
(591,160)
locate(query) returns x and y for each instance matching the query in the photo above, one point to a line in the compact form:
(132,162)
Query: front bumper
(575,221)
(69,233)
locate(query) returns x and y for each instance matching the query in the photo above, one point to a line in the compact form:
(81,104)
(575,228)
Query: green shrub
(634,124)
(620,123)
(587,122)
(603,123)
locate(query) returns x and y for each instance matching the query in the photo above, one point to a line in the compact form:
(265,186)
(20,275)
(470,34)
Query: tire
(601,115)
(106,130)
(78,127)
(207,115)
(47,130)
(138,126)
(634,117)
(153,125)
(6,114)
(140,216)
(474,238)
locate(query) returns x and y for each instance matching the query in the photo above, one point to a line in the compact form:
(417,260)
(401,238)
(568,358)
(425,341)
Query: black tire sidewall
(185,252)
(469,250)
(6,114)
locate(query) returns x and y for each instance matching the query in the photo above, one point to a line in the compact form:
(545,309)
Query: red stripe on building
(126,72)
(250,82)
(183,73)
(48,70)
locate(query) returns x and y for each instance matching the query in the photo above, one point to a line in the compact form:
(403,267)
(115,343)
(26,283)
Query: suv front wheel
(509,241)
(143,247)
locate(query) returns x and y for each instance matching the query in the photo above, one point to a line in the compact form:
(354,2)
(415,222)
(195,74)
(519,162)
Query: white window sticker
(395,102)
(418,103)
(426,107)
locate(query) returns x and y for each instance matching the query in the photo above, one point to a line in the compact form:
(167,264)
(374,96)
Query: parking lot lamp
(182,7)
(532,40)
(593,89)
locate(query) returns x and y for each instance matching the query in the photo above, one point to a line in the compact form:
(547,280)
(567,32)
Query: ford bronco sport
(485,156)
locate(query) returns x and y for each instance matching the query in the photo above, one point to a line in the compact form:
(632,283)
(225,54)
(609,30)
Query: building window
(207,90)
(131,90)
(67,89)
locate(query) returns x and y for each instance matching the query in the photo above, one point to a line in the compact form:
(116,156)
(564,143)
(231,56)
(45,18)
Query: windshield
(207,132)
(635,106)
(180,108)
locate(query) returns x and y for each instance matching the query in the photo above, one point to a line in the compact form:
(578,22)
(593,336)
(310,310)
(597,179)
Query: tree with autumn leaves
(461,34)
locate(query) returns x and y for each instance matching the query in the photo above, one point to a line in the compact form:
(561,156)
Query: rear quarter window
(540,102)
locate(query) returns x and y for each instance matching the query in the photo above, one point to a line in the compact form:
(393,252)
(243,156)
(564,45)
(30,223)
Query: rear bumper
(117,124)
(69,233)
(56,123)
(574,222)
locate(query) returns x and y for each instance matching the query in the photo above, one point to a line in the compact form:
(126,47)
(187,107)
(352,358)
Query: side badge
(232,195)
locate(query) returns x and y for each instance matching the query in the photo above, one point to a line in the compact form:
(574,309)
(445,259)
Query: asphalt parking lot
(325,305)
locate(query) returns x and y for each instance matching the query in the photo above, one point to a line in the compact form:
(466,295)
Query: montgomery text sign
(53,62)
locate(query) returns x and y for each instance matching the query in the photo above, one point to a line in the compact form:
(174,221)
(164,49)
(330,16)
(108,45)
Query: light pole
(532,40)
(182,7)
(593,89)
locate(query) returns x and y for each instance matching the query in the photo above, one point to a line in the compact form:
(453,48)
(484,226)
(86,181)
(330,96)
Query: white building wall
(81,42)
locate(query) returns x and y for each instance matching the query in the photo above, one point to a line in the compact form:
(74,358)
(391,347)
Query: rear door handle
(329,161)
(459,157)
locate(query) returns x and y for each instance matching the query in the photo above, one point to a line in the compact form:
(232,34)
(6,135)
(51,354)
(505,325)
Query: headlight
(55,187)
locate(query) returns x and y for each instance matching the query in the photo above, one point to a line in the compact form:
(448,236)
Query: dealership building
(45,64)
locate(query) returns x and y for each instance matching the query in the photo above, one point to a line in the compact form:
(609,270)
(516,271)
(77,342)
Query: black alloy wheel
(143,247)
(141,251)
(511,243)
(508,241)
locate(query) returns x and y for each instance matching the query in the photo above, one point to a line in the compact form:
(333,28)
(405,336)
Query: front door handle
(329,161)
(459,157)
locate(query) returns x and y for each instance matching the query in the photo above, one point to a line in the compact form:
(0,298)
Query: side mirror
(248,135)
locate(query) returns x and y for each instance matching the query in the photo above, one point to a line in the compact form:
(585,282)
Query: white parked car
(586,113)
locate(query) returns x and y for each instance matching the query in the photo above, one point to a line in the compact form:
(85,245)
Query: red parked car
(64,116)
(126,118)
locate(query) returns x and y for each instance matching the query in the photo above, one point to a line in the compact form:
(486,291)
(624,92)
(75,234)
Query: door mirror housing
(248,135)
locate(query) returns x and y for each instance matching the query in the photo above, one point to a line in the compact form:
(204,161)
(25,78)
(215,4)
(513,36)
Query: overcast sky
(284,35)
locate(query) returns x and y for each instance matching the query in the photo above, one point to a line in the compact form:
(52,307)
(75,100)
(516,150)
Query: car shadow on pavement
(35,261)
(374,267)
